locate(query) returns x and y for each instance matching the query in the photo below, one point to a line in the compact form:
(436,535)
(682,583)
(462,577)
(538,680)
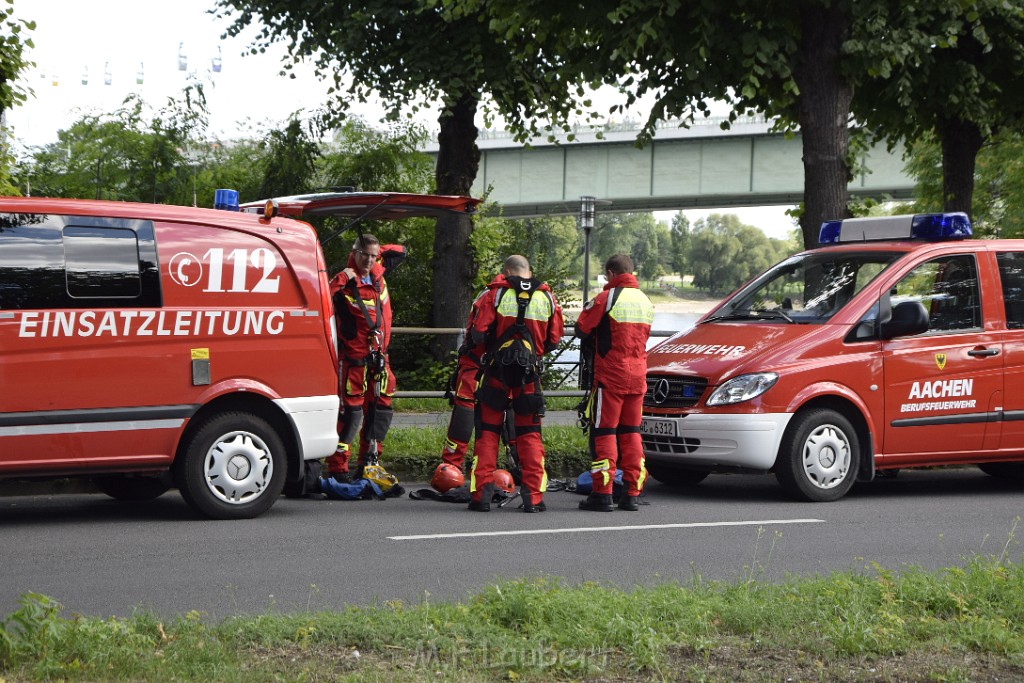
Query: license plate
(653,426)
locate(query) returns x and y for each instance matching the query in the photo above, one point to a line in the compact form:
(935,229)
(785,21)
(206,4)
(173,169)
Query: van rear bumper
(315,419)
(707,440)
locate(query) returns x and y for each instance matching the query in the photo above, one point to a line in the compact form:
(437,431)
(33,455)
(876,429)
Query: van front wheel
(233,467)
(819,456)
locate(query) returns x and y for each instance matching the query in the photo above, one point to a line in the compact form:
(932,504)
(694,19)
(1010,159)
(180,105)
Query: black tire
(1011,471)
(819,456)
(233,467)
(676,476)
(134,488)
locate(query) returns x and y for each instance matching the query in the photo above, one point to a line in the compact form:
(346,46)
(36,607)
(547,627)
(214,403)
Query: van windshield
(807,288)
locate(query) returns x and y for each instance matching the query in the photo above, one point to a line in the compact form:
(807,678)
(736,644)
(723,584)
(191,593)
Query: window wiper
(771,314)
(753,314)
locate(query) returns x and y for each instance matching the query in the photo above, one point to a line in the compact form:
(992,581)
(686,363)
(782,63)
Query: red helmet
(503,480)
(447,477)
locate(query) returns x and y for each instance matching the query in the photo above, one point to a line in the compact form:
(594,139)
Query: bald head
(516,266)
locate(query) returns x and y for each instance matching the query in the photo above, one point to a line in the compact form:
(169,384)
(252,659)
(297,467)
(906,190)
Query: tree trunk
(823,114)
(961,142)
(454,263)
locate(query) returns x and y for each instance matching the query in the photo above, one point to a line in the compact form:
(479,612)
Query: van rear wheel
(233,467)
(819,456)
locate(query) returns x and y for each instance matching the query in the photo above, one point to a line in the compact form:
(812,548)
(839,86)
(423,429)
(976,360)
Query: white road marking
(576,530)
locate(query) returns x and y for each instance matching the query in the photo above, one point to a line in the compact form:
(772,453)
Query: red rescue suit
(366,384)
(619,319)
(497,313)
(463,391)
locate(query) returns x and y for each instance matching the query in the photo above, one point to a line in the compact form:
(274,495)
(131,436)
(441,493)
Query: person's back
(617,325)
(517,309)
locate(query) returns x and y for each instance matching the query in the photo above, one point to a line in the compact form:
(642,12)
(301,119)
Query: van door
(943,388)
(1011,280)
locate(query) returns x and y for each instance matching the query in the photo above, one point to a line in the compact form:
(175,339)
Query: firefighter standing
(463,389)
(517,322)
(619,320)
(362,308)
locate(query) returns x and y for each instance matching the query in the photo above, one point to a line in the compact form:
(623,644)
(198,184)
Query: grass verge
(414,452)
(958,624)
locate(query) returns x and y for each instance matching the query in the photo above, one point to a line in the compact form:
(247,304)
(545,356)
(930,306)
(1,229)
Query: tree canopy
(412,53)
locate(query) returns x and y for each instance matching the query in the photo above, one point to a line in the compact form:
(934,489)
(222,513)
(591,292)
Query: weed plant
(958,624)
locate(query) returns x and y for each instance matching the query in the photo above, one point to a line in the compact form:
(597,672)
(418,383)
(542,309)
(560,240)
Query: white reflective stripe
(6,316)
(316,423)
(632,306)
(595,419)
(89,427)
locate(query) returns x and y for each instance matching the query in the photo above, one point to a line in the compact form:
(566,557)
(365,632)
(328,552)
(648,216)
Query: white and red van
(896,345)
(149,346)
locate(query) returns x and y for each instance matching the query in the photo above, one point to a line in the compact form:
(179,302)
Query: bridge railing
(572,364)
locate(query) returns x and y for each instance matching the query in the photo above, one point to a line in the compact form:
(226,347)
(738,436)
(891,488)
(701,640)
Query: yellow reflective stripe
(539,308)
(601,465)
(350,386)
(632,306)
(643,474)
(369,303)
(472,475)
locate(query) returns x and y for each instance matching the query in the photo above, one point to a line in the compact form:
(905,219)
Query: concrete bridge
(682,168)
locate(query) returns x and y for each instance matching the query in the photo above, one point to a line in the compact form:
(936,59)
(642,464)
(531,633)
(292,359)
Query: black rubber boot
(629,503)
(529,507)
(484,504)
(598,502)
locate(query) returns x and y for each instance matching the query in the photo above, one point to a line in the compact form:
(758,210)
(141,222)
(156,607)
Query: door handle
(983,352)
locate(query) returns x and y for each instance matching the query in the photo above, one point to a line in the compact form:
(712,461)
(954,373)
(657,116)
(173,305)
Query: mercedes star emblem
(661,391)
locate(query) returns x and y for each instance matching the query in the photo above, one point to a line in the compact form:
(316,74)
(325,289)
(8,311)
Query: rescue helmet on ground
(447,477)
(503,480)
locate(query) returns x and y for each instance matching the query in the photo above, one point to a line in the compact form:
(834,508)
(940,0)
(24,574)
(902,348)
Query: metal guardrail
(460,332)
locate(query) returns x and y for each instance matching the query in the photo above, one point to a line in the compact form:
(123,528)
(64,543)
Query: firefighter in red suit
(618,323)
(463,390)
(362,309)
(510,298)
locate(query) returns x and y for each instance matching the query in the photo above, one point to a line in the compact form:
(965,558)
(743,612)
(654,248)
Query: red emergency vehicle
(150,346)
(896,345)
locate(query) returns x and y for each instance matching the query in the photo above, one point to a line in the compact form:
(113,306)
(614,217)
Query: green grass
(958,624)
(441,405)
(413,453)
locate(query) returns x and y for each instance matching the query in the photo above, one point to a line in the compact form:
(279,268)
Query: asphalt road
(102,557)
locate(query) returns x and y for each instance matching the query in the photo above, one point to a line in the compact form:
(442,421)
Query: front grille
(675,391)
(669,445)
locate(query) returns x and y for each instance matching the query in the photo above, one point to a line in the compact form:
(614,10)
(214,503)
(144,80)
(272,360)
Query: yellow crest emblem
(940,360)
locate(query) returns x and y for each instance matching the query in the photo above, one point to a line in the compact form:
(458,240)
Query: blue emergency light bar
(923,226)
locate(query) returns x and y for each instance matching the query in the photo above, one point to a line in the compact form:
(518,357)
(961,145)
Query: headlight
(742,388)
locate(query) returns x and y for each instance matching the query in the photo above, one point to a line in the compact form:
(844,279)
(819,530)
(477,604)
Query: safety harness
(375,363)
(512,356)
(598,341)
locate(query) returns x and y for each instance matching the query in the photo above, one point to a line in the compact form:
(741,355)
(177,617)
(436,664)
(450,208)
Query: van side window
(1011,275)
(948,288)
(101,262)
(46,262)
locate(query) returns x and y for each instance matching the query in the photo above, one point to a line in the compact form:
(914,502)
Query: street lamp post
(587,223)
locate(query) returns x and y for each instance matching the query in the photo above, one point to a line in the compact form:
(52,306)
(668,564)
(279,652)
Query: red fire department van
(150,346)
(896,345)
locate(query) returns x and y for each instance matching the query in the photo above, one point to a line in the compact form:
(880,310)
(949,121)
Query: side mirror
(908,318)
